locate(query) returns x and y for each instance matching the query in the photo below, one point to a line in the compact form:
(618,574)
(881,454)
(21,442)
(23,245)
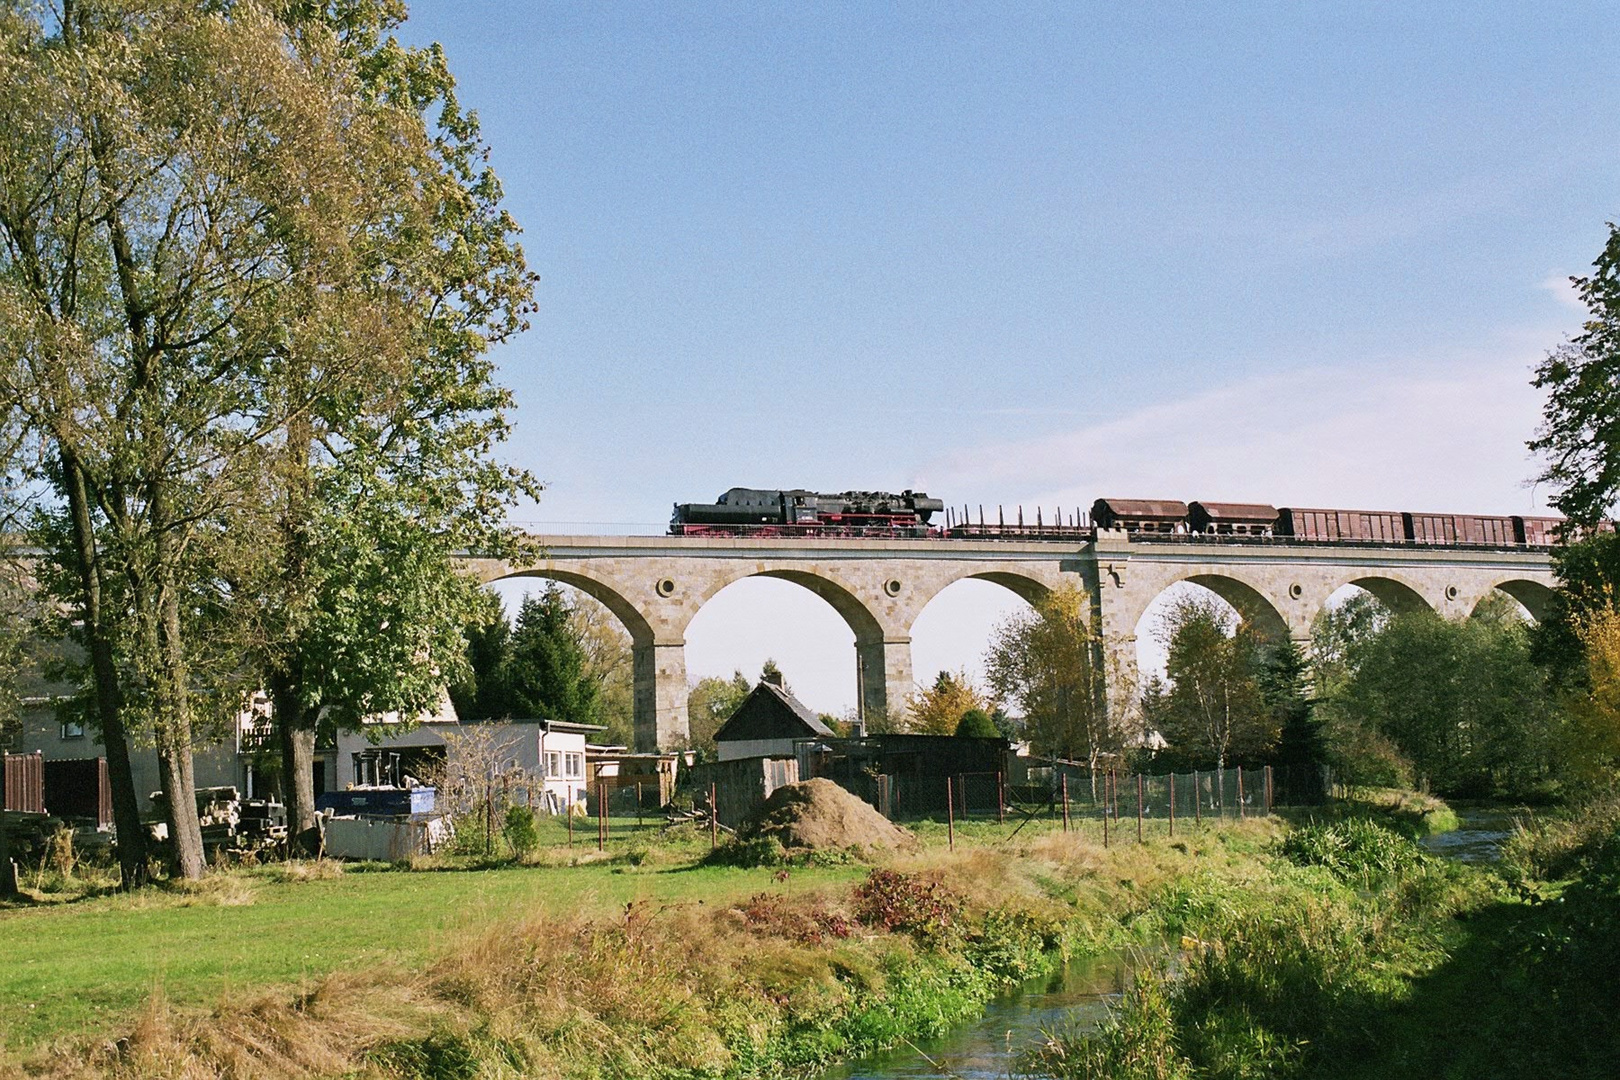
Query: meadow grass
(87,967)
(640,962)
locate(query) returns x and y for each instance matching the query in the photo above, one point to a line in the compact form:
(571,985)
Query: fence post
(714,816)
(1240,792)
(1138,808)
(1198,800)
(1001,800)
(489,816)
(1172,805)
(950,813)
(1105,815)
(1268,790)
(1065,800)
(638,805)
(568,812)
(601,815)
(8,869)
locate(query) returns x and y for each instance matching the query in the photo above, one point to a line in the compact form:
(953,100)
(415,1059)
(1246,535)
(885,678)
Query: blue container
(378,802)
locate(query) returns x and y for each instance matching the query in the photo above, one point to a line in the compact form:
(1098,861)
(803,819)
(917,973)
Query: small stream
(1478,836)
(1075,997)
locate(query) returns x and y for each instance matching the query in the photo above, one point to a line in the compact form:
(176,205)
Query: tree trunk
(131,832)
(8,872)
(174,730)
(180,793)
(295,729)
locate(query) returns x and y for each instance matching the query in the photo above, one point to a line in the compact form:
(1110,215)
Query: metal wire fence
(1070,792)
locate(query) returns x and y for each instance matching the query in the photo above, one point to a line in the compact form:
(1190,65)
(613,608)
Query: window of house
(554,765)
(576,766)
(73,729)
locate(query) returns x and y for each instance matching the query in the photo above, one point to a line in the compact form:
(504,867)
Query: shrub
(521,833)
(1355,850)
(906,903)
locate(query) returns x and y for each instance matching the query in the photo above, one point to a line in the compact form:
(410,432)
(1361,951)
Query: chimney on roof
(772,676)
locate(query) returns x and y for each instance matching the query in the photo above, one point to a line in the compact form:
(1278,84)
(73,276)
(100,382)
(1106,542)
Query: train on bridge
(765,512)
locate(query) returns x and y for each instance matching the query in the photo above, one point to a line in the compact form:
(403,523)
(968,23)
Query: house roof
(771,712)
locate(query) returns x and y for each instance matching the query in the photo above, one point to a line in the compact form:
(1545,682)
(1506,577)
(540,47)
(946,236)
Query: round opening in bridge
(1451,592)
(1296,590)
(892,586)
(665,587)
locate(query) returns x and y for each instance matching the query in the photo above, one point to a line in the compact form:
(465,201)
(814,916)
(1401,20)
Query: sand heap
(821,816)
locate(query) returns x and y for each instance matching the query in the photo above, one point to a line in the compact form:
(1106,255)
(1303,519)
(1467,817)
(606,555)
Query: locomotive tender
(772,512)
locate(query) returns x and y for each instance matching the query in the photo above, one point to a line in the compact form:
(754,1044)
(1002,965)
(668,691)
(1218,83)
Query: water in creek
(1478,836)
(1075,997)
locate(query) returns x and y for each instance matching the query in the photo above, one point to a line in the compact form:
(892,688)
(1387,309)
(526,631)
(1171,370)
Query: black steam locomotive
(756,512)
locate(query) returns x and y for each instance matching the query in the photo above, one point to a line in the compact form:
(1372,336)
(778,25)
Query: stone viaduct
(656,584)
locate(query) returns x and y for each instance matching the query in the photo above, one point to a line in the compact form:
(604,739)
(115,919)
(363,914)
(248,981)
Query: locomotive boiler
(798,512)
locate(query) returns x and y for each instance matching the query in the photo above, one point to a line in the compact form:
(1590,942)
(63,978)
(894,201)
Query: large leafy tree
(710,704)
(1459,699)
(247,288)
(1050,663)
(939,709)
(1579,438)
(1215,709)
(175,184)
(388,473)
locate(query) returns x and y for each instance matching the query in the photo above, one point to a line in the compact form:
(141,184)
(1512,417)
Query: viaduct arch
(655,585)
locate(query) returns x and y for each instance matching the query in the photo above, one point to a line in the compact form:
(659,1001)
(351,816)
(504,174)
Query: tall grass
(1274,974)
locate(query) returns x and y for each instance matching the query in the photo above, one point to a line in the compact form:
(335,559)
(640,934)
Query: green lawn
(84,968)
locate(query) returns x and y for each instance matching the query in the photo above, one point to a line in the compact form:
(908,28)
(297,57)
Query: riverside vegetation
(1358,955)
(1335,947)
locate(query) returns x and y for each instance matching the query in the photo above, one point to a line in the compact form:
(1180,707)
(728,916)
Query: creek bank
(1360,956)
(1074,997)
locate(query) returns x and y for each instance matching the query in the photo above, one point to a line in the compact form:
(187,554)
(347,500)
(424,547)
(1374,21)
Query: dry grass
(692,987)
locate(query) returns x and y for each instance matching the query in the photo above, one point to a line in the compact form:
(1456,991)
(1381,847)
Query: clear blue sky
(1291,252)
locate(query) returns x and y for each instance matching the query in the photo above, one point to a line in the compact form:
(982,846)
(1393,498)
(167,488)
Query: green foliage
(1581,378)
(480,693)
(939,709)
(710,704)
(1356,850)
(1588,577)
(1215,711)
(1052,665)
(1138,1043)
(545,672)
(750,852)
(977,724)
(1460,700)
(519,831)
(1278,976)
(446,1055)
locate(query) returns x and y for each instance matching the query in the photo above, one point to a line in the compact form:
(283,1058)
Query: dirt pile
(818,815)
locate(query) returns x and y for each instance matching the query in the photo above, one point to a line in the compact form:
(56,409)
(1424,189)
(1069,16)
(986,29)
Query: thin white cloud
(1445,437)
(1562,289)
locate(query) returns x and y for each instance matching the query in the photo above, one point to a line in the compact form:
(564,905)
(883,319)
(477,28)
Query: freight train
(1158,517)
(771,512)
(797,512)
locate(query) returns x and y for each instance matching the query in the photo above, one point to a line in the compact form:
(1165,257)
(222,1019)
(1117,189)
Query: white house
(546,756)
